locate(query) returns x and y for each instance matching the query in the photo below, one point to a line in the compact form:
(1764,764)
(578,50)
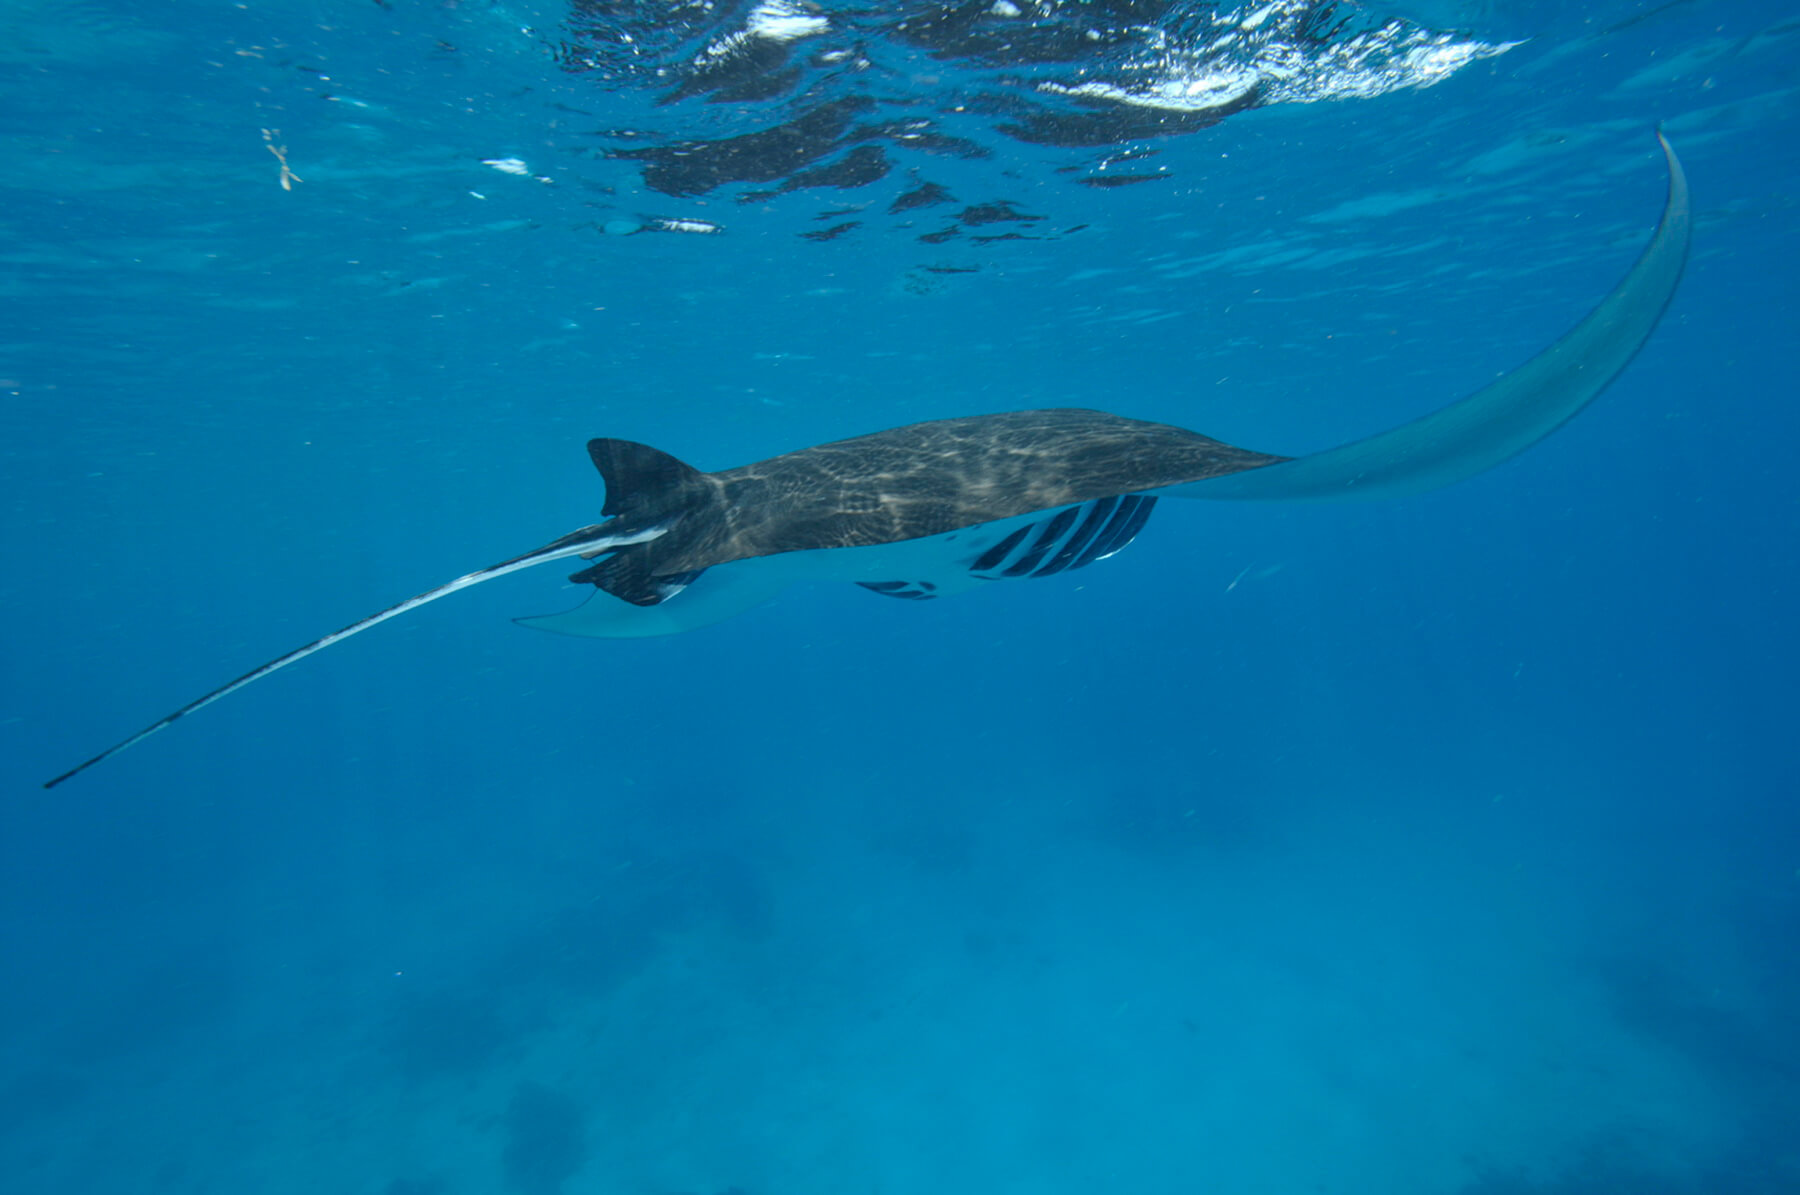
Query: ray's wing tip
(1678,182)
(1668,148)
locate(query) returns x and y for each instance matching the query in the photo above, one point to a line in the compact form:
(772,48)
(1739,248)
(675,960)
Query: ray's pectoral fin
(1503,419)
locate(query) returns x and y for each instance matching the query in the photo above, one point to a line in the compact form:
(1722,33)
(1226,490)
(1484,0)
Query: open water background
(1439,847)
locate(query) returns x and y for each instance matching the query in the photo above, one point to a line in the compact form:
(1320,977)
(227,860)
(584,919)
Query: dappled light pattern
(757,100)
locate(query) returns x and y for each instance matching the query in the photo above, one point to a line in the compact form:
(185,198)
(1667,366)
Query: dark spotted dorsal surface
(929,479)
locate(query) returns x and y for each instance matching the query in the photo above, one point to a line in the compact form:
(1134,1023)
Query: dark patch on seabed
(1755,1058)
(39,1096)
(546,1140)
(416,1186)
(1612,1165)
(465,1024)
(444,1034)
(185,992)
(1738,1051)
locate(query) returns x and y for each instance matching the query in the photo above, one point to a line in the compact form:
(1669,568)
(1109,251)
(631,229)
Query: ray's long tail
(588,541)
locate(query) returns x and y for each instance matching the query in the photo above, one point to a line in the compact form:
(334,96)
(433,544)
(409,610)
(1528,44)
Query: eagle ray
(931,509)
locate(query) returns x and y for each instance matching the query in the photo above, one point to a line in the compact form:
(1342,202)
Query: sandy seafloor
(1439,847)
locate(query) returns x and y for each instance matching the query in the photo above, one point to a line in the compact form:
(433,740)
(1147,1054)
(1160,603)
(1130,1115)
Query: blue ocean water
(1444,846)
